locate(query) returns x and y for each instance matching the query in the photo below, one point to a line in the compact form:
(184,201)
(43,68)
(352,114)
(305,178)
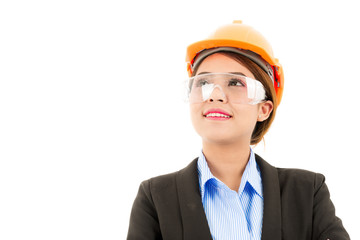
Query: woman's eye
(200,83)
(235,82)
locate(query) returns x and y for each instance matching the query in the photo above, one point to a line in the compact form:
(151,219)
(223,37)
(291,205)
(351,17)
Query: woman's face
(241,120)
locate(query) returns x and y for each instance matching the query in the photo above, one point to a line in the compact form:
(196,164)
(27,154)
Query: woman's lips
(217,114)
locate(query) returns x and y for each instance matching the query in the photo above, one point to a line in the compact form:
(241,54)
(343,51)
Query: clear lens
(234,87)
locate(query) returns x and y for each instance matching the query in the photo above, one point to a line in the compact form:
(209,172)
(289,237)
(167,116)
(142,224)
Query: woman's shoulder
(300,179)
(294,177)
(298,174)
(168,180)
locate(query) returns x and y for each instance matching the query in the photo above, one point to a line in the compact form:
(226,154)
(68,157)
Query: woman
(229,192)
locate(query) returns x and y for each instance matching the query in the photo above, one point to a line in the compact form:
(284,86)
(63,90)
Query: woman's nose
(217,95)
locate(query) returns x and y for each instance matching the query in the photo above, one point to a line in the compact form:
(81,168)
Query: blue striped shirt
(231,214)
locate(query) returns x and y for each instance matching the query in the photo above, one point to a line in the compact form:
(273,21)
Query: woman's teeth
(217,115)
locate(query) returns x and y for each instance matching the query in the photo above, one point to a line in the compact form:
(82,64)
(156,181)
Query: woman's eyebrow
(203,73)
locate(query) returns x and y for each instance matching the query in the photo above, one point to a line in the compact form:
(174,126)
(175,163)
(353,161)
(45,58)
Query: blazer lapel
(271,229)
(194,220)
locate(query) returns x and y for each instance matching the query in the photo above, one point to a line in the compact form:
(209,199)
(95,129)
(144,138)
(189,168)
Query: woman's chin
(221,139)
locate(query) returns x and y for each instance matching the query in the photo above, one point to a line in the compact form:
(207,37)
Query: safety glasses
(235,88)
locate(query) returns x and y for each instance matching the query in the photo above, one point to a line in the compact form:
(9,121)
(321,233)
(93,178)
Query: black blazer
(297,205)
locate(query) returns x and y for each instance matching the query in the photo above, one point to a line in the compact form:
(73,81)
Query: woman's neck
(227,162)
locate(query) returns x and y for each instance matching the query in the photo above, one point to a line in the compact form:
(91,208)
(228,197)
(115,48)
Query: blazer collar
(271,229)
(194,220)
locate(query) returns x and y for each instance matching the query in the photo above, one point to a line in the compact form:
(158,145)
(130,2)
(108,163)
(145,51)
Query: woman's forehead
(220,62)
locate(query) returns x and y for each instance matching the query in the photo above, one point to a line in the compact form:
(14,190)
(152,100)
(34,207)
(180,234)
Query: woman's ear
(265,110)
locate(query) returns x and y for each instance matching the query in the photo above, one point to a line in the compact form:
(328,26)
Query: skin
(226,143)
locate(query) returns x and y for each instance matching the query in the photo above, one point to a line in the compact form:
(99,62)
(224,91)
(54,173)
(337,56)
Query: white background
(90,104)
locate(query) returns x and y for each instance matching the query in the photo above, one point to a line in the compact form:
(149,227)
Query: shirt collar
(250,175)
(204,173)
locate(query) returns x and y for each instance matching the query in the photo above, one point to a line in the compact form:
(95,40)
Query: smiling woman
(238,129)
(229,192)
(264,122)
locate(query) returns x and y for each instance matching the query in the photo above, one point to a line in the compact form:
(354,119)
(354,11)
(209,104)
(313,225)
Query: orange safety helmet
(244,40)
